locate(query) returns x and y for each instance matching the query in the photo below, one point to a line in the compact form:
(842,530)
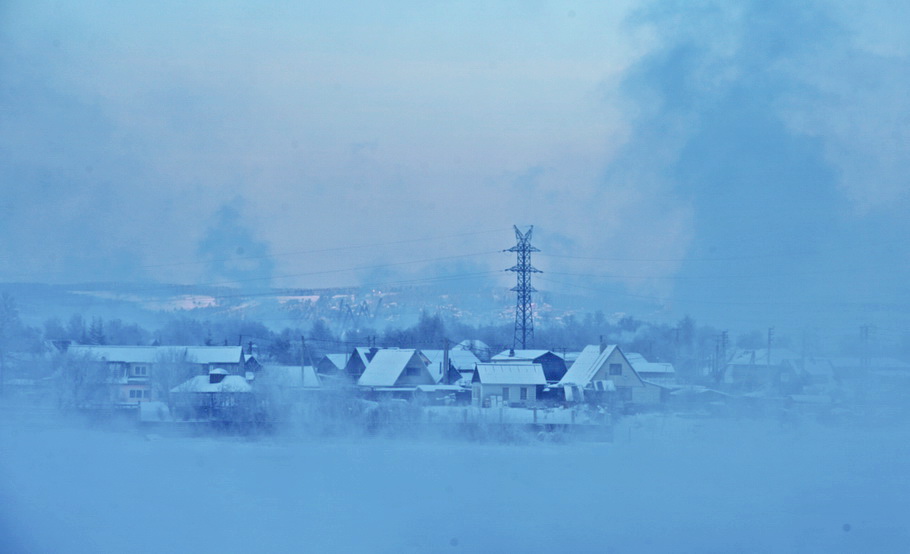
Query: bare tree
(172,367)
(83,382)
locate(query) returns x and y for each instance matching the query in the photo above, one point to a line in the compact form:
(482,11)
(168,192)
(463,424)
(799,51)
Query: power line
(323,250)
(687,259)
(729,302)
(303,252)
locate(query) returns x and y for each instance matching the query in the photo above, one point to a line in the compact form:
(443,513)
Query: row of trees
(686,344)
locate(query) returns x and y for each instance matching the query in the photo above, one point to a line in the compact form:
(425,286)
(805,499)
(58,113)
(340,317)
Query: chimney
(511,352)
(602,345)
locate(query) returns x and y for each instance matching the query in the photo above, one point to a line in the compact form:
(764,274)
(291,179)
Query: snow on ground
(665,485)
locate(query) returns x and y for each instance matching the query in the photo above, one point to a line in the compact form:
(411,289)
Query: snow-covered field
(664,485)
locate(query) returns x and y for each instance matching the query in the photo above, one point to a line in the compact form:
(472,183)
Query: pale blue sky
(741,160)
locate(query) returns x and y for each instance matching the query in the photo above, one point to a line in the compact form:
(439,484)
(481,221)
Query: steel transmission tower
(524,315)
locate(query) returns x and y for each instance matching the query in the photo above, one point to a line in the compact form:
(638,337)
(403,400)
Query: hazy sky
(738,160)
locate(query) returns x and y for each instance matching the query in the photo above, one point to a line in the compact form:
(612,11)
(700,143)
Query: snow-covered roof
(587,364)
(122,354)
(364,353)
(386,366)
(642,365)
(462,360)
(338,360)
(200,383)
(519,355)
(153,354)
(510,374)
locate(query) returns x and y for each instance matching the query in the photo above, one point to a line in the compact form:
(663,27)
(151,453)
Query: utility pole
(524,316)
(715,372)
(723,354)
(445,361)
(304,354)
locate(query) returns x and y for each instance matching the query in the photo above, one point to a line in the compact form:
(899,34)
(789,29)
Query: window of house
(140,371)
(505,394)
(145,394)
(134,393)
(615,369)
(412,371)
(523,394)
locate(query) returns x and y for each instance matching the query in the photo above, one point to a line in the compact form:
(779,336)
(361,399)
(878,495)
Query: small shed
(506,383)
(554,366)
(217,396)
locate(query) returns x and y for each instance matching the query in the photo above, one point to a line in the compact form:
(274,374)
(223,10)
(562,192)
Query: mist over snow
(662,486)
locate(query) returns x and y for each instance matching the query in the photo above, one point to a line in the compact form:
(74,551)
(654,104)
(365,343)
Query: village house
(131,369)
(604,368)
(510,384)
(816,373)
(554,366)
(477,347)
(658,373)
(332,364)
(751,370)
(128,369)
(217,396)
(395,368)
(358,361)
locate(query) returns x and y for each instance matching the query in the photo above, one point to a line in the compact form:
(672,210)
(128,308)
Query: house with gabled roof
(605,367)
(331,364)
(659,373)
(217,396)
(554,366)
(396,368)
(515,383)
(358,361)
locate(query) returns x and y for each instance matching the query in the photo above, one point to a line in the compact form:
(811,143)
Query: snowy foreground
(665,484)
